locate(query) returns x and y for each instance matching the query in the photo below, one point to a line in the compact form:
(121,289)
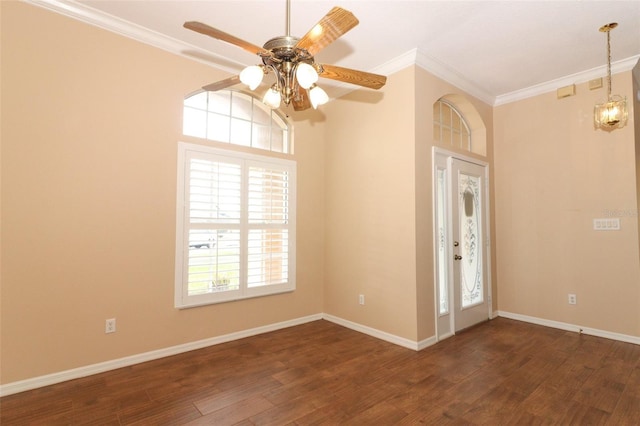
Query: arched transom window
(449,127)
(236,118)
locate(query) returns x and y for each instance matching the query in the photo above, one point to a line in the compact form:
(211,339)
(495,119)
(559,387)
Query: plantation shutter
(268,217)
(214,195)
(236,227)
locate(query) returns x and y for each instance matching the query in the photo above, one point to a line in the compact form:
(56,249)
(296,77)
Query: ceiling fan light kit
(306,75)
(292,62)
(272,98)
(317,96)
(252,76)
(612,113)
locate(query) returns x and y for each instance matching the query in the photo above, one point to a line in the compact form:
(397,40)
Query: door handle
(456,244)
(457,257)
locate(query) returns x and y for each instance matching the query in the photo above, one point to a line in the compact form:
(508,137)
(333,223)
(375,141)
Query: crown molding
(89,15)
(451,76)
(418,58)
(97,18)
(577,78)
(390,67)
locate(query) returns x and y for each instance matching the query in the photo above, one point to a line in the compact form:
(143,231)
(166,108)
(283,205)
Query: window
(235,233)
(236,118)
(442,254)
(449,127)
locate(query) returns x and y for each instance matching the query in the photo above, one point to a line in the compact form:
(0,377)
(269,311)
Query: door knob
(456,244)
(457,257)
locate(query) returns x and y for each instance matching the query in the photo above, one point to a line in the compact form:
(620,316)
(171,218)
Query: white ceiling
(495,50)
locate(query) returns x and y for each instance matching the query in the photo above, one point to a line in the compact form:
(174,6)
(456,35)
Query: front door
(462,280)
(470,299)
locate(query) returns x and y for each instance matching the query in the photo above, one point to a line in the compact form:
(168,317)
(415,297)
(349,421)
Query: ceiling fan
(291,59)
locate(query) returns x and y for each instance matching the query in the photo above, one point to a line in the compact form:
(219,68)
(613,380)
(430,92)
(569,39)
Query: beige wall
(634,100)
(553,175)
(379,203)
(90,127)
(370,196)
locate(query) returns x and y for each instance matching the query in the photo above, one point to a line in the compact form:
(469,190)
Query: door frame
(439,154)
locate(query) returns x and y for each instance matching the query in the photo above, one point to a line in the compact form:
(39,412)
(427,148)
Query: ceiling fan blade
(361,78)
(221,35)
(301,100)
(222,84)
(333,25)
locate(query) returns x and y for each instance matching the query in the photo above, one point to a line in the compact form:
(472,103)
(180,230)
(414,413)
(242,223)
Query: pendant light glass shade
(272,98)
(317,96)
(306,75)
(252,76)
(612,113)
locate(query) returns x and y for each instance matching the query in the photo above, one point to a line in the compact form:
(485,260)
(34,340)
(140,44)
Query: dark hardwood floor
(502,372)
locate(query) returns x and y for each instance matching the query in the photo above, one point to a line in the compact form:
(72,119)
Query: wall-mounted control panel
(607,224)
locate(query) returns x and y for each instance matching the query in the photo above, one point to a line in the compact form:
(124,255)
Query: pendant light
(612,113)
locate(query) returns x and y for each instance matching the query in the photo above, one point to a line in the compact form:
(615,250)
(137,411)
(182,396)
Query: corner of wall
(635,119)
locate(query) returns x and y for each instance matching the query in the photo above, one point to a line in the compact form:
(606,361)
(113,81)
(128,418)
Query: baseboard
(382,335)
(429,341)
(445,336)
(571,327)
(76,373)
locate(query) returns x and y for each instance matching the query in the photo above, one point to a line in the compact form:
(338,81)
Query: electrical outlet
(361,299)
(110,325)
(572,299)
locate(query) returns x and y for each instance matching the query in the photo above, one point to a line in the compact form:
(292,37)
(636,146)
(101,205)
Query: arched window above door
(450,127)
(458,125)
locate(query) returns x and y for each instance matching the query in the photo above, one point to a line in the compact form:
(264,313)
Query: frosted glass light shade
(272,98)
(611,114)
(306,75)
(252,76)
(317,96)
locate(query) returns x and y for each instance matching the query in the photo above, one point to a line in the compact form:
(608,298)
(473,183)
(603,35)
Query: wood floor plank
(235,412)
(627,411)
(232,396)
(154,413)
(432,391)
(285,413)
(500,372)
(581,414)
(380,414)
(326,415)
(605,386)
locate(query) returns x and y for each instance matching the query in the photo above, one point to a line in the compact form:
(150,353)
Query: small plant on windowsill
(222,283)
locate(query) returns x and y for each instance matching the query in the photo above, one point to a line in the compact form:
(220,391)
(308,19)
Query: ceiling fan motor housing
(283,43)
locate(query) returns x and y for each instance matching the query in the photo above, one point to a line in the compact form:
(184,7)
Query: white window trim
(182,300)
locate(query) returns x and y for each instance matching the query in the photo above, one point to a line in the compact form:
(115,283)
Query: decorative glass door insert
(471,237)
(442,241)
